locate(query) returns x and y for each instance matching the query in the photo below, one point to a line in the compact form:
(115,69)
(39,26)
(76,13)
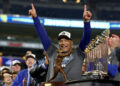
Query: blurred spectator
(114,44)
(4,69)
(13,68)
(114,41)
(27,53)
(39,70)
(23,78)
(1,54)
(23,64)
(14,74)
(16,66)
(7,78)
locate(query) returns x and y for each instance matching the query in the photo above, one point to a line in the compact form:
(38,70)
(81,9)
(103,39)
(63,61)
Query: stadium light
(77,1)
(64,1)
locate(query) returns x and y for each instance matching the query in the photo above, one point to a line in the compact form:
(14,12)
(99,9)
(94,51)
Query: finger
(33,6)
(30,12)
(87,18)
(89,13)
(113,35)
(85,7)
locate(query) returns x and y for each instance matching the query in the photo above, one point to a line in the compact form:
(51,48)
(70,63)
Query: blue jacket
(18,81)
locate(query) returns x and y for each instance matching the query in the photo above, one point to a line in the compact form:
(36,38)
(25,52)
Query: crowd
(18,74)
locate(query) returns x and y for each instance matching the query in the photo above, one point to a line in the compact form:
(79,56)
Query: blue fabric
(102,60)
(112,69)
(41,63)
(91,66)
(85,40)
(42,33)
(18,81)
(46,41)
(3,85)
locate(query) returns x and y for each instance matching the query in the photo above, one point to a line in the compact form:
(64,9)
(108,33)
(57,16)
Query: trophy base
(95,74)
(53,84)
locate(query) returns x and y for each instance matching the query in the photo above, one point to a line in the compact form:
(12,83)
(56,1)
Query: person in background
(16,64)
(23,78)
(2,70)
(14,74)
(114,59)
(23,64)
(39,70)
(7,78)
(27,53)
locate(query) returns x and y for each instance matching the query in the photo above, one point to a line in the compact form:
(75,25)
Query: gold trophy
(97,56)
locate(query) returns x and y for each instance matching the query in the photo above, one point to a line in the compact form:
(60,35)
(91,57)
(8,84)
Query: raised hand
(114,41)
(86,14)
(32,12)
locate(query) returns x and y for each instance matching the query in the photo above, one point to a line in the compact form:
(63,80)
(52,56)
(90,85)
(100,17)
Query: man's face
(30,62)
(65,45)
(7,78)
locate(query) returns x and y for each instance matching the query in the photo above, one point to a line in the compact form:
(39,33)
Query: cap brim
(63,36)
(29,57)
(17,63)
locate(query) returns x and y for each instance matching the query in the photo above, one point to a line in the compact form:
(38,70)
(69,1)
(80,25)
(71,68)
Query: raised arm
(87,30)
(40,29)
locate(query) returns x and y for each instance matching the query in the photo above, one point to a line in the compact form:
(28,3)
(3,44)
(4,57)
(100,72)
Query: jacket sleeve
(112,70)
(18,80)
(42,33)
(85,40)
(39,71)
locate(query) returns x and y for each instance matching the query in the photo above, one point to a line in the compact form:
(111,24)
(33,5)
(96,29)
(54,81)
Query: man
(114,57)
(23,77)
(16,64)
(39,70)
(72,63)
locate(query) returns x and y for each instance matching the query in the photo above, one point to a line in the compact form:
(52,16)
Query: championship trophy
(96,63)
